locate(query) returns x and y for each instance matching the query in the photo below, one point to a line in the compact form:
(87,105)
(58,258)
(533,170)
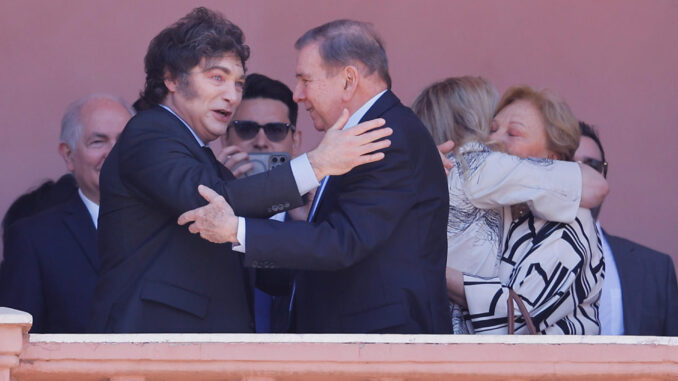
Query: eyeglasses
(600,166)
(247,129)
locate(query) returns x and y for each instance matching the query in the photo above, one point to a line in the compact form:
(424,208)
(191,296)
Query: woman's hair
(560,125)
(458,109)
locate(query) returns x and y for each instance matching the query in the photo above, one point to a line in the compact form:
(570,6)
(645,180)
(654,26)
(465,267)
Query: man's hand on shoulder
(342,150)
(215,221)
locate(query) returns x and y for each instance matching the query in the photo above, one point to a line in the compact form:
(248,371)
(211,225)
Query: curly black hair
(202,33)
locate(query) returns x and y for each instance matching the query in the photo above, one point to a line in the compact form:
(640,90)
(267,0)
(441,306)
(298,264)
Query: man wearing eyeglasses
(640,294)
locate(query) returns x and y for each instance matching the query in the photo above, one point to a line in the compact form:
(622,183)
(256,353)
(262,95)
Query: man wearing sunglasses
(265,122)
(640,293)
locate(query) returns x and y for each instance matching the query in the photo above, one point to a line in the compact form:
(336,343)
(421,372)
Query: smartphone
(265,161)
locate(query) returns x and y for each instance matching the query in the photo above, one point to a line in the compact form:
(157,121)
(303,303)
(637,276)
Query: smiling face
(520,128)
(317,89)
(102,122)
(207,95)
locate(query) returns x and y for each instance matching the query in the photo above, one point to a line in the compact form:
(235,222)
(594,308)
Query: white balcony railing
(261,357)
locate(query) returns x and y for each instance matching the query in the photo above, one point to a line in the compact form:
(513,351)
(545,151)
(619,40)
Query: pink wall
(614,61)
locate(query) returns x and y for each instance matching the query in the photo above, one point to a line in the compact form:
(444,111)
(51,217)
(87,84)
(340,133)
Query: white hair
(71,123)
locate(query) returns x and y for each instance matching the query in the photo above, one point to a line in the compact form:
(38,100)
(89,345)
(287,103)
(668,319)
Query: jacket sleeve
(671,318)
(372,199)
(552,189)
(20,281)
(163,169)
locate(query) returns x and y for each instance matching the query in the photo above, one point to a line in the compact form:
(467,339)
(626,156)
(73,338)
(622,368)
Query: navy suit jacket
(374,256)
(50,267)
(649,288)
(155,275)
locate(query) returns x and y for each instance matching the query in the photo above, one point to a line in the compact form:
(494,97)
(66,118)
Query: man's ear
(171,84)
(67,154)
(351,79)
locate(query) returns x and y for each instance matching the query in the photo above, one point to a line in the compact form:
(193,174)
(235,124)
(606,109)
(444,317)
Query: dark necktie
(217,165)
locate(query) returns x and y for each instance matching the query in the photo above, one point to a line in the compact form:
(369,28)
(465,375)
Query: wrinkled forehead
(103,116)
(227,60)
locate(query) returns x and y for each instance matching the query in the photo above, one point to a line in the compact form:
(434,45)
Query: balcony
(150,357)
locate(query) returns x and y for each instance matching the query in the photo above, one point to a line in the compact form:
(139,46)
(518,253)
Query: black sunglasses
(247,129)
(600,166)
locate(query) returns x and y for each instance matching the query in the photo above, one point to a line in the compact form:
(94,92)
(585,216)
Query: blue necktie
(316,200)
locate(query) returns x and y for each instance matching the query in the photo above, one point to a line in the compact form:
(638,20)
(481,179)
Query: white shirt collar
(92,208)
(611,309)
(185,124)
(360,113)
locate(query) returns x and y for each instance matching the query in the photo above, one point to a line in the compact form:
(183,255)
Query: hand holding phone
(232,157)
(262,162)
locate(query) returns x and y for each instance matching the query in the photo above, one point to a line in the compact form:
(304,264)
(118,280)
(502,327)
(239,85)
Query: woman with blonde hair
(483,185)
(555,268)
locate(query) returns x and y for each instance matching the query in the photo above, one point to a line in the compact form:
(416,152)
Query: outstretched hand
(342,150)
(215,221)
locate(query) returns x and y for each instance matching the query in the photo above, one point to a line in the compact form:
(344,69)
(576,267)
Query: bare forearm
(455,286)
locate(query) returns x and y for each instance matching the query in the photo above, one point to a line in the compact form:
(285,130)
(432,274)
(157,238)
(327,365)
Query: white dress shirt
(611,311)
(92,208)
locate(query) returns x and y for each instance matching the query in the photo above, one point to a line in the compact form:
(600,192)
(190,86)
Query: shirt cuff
(303,175)
(240,234)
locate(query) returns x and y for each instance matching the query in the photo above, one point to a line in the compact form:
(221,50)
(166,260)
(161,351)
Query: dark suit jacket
(649,288)
(50,267)
(375,253)
(155,275)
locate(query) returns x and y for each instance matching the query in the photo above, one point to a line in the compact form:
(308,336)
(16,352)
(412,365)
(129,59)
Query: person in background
(265,121)
(50,259)
(640,293)
(483,184)
(555,268)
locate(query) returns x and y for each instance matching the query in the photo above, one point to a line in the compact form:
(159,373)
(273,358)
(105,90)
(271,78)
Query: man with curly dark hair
(155,276)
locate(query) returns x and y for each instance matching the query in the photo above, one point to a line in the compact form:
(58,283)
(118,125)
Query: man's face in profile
(278,136)
(318,89)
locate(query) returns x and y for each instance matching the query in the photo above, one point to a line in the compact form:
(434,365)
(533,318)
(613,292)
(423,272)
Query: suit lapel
(629,279)
(194,146)
(79,222)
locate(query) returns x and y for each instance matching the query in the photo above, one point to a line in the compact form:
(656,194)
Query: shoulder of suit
(46,219)
(152,117)
(638,249)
